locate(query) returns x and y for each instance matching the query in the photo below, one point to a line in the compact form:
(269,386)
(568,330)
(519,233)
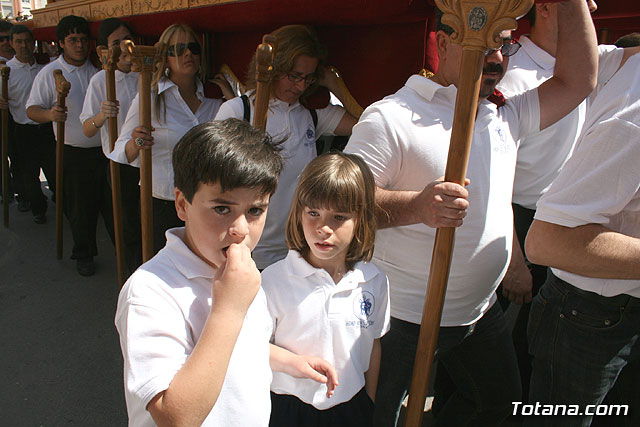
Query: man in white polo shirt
(35,141)
(86,190)
(584,325)
(405,140)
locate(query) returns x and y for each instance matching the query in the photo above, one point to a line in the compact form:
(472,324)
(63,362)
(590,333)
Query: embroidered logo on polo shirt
(363,308)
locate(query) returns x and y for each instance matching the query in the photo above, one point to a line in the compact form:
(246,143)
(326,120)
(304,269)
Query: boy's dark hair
(19,29)
(108,26)
(440,26)
(71,24)
(5,25)
(628,40)
(231,153)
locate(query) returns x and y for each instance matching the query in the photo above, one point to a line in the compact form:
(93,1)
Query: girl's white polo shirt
(313,316)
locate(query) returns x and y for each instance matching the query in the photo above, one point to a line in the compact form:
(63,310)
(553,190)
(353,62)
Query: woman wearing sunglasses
(177,104)
(298,71)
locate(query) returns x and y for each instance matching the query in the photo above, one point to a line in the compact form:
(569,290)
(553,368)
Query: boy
(193,321)
(85,186)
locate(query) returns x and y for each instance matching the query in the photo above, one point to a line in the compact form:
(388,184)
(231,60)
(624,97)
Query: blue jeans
(479,358)
(580,342)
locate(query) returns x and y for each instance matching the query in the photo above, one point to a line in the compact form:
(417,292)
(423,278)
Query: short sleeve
(154,336)
(384,308)
(92,99)
(232,108)
(42,93)
(130,123)
(609,170)
(328,119)
(374,139)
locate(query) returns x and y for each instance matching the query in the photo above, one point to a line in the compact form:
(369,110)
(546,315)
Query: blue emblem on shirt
(310,133)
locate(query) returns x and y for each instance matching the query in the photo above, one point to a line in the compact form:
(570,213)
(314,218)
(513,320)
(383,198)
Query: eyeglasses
(4,39)
(179,49)
(508,49)
(297,78)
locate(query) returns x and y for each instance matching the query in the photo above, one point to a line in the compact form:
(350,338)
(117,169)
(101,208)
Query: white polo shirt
(126,90)
(44,94)
(161,312)
(313,316)
(293,125)
(178,120)
(405,141)
(541,155)
(600,183)
(20,81)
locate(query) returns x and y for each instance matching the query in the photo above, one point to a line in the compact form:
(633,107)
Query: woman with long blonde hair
(177,104)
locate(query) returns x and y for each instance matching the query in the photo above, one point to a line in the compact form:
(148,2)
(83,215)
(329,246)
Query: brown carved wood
(109,58)
(62,89)
(144,60)
(264,72)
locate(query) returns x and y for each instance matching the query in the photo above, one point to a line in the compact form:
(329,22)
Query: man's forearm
(394,208)
(591,250)
(38,114)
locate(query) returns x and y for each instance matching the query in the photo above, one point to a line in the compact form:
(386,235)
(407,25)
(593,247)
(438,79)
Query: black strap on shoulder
(247,109)
(314,117)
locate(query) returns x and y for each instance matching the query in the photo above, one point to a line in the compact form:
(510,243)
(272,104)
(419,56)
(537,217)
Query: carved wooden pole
(62,88)
(109,58)
(477,26)
(144,59)
(350,103)
(264,71)
(5,147)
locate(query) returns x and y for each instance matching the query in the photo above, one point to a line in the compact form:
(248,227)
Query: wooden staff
(477,25)
(109,58)
(143,60)
(62,88)
(5,147)
(350,103)
(264,72)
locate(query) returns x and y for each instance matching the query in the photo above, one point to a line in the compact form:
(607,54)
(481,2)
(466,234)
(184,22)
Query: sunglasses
(179,49)
(308,80)
(508,49)
(4,39)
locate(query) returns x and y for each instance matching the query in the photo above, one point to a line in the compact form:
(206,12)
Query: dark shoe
(85,267)
(24,206)
(40,218)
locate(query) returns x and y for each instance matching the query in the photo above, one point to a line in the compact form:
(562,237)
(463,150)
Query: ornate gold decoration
(496,15)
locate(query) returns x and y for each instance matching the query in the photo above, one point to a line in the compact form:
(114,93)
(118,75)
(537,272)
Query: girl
(325,299)
(177,104)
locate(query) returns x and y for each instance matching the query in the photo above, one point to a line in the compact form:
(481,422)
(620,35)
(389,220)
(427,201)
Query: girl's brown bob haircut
(340,182)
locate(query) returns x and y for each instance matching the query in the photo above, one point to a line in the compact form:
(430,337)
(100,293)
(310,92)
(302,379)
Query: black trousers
(86,195)
(164,218)
(130,203)
(37,147)
(289,411)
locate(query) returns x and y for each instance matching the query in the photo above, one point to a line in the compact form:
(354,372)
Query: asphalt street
(60,360)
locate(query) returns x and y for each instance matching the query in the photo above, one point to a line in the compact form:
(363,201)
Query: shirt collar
(427,88)
(538,55)
(187,263)
(298,266)
(16,63)
(121,76)
(72,68)
(166,84)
